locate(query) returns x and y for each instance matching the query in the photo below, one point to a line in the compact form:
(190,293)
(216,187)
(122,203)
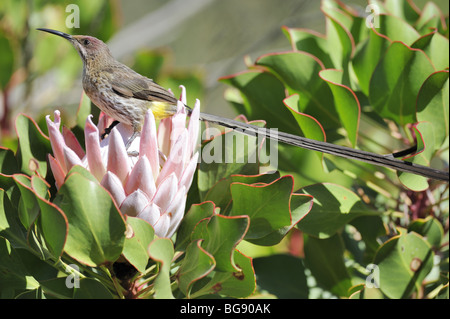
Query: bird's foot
(128,144)
(133,153)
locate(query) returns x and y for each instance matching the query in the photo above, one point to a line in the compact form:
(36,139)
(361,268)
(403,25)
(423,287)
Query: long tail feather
(324,147)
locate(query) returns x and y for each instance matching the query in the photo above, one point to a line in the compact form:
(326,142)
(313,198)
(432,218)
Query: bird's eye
(86,42)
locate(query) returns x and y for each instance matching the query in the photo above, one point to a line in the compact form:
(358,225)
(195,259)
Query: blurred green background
(189,42)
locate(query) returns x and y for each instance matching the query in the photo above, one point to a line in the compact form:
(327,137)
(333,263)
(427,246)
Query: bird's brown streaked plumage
(125,95)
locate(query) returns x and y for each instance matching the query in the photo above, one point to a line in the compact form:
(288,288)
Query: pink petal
(71,158)
(151,213)
(72,142)
(149,143)
(193,128)
(93,152)
(164,129)
(162,226)
(134,203)
(176,210)
(175,161)
(58,172)
(118,162)
(56,139)
(166,192)
(183,94)
(178,127)
(188,173)
(141,177)
(104,122)
(114,186)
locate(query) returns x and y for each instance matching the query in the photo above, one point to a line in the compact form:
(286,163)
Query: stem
(69,269)
(145,293)
(118,288)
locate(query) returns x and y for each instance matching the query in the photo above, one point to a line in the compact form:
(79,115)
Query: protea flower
(152,186)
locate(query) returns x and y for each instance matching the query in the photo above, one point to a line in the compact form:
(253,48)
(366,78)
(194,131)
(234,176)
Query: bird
(125,95)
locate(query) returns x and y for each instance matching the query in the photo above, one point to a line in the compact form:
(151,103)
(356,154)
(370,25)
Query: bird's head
(89,48)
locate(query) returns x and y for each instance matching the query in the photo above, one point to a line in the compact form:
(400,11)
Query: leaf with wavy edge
(96,226)
(197,264)
(346,103)
(396,82)
(161,250)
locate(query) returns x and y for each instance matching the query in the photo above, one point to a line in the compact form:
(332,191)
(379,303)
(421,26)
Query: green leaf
(220,193)
(423,132)
(28,206)
(299,72)
(396,82)
(366,58)
(334,206)
(325,259)
(436,47)
(33,146)
(13,273)
(40,187)
(220,235)
(346,103)
(432,106)
(263,96)
(53,225)
(269,208)
(340,42)
(88,288)
(237,284)
(92,289)
(300,205)
(370,228)
(227,154)
(311,42)
(429,17)
(96,227)
(430,229)
(138,236)
(197,264)
(8,167)
(366,293)
(282,275)
(403,10)
(195,214)
(310,127)
(369,52)
(161,250)
(403,262)
(77,169)
(57,288)
(10,226)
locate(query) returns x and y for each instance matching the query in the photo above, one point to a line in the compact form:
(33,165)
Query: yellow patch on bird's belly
(162,109)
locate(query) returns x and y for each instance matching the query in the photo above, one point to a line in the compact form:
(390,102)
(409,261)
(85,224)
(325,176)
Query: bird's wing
(134,85)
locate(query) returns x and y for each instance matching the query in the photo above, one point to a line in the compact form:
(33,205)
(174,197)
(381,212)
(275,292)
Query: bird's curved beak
(61,34)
